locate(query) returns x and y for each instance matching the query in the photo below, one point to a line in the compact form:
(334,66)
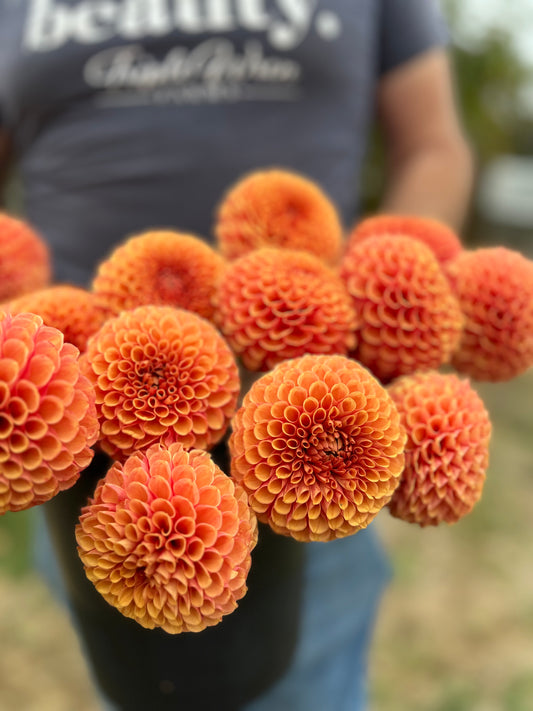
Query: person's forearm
(4,166)
(436,182)
(429,163)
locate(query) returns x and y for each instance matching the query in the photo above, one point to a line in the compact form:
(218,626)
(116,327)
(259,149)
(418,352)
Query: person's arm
(429,162)
(5,154)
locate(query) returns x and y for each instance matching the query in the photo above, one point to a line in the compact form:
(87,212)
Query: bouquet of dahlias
(336,370)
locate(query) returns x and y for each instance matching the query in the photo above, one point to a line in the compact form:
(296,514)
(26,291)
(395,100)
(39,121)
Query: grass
(15,543)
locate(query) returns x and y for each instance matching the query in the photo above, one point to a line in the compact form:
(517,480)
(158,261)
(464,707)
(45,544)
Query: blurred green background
(456,629)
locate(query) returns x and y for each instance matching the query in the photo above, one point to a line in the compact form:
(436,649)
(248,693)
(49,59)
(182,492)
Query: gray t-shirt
(134,114)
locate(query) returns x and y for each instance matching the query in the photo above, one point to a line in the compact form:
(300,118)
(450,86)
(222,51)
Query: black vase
(222,667)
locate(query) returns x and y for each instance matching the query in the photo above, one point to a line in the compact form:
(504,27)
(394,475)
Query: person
(124,115)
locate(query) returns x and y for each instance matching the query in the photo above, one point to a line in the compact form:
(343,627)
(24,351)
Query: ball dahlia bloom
(318,447)
(167,539)
(161,268)
(47,413)
(441,239)
(277,304)
(277,208)
(447,453)
(409,319)
(25,263)
(495,290)
(71,310)
(160,372)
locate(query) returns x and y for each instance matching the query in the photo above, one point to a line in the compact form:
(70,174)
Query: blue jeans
(344,581)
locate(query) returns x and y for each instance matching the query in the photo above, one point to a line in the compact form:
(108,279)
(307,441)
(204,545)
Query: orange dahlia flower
(167,539)
(278,304)
(276,208)
(318,447)
(25,263)
(160,372)
(447,453)
(441,239)
(409,319)
(71,310)
(495,290)
(47,413)
(161,268)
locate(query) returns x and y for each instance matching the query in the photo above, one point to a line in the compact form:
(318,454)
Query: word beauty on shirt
(52,23)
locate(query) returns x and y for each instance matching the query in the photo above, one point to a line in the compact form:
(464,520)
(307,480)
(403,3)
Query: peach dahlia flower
(160,372)
(408,317)
(447,453)
(277,304)
(160,267)
(495,290)
(278,208)
(167,538)
(25,261)
(47,413)
(71,310)
(318,447)
(441,239)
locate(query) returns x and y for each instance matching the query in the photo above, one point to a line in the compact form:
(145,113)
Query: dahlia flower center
(170,285)
(326,452)
(160,554)
(155,379)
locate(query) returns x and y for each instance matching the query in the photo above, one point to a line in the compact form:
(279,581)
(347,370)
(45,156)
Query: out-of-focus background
(456,629)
